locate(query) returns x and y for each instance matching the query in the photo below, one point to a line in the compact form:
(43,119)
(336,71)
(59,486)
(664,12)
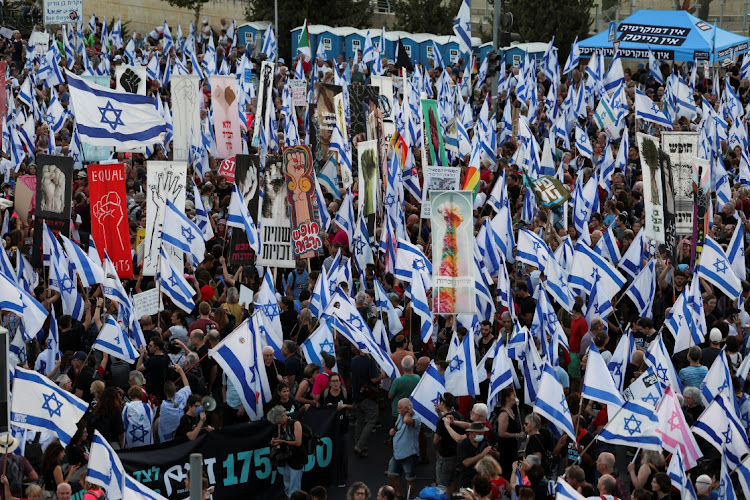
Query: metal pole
(721,15)
(744,18)
(596,19)
(276,24)
(496,26)
(617,15)
(196,476)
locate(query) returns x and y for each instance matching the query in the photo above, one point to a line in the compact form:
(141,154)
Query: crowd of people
(479,450)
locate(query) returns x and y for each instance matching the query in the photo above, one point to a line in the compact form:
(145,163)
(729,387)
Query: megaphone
(208,403)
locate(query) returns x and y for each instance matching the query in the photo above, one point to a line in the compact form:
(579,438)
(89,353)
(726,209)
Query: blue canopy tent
(673,35)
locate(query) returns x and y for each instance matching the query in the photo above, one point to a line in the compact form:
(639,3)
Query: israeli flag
(56,114)
(648,110)
(106,117)
(268,307)
(721,427)
(643,289)
(597,386)
(633,425)
(239,217)
(574,58)
(89,271)
(328,177)
(426,396)
(270,47)
(620,359)
(615,76)
(173,284)
(321,293)
(717,381)
(588,267)
(112,340)
(105,468)
(421,307)
(460,376)
(182,233)
(409,259)
(608,246)
(646,389)
(201,216)
(736,251)
(462,27)
(321,340)
(532,249)
(658,360)
(241,357)
(653,68)
(715,267)
(45,362)
(138,420)
(361,247)
(44,406)
(502,374)
(551,403)
(63,277)
(563,490)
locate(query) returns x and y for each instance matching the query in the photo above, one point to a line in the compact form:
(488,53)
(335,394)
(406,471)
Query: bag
(432,493)
(14,473)
(33,452)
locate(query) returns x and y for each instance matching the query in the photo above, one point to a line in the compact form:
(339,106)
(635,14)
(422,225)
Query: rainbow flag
(471,181)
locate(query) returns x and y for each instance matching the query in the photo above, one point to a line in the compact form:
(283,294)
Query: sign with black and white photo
(246,172)
(273,216)
(54,187)
(265,100)
(681,147)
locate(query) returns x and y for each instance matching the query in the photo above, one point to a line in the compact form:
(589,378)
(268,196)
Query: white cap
(715,335)
(703,484)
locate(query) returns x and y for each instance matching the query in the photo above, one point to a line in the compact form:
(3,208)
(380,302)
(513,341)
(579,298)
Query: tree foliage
(194,5)
(426,16)
(292,13)
(540,20)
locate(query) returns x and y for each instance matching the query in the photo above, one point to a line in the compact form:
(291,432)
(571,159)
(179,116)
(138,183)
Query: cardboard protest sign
(166,181)
(304,218)
(438,179)
(245,176)
(273,214)
(265,101)
(433,142)
(54,187)
(224,102)
(109,215)
(186,116)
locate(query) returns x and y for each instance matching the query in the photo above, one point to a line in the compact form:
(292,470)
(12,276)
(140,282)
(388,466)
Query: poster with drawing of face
(185,113)
(225,102)
(54,187)
(166,181)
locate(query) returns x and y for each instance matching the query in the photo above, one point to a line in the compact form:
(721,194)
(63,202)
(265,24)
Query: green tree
(292,13)
(194,5)
(538,21)
(426,16)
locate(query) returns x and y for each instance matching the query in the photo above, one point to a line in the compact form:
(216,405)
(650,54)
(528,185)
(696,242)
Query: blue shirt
(171,413)
(692,376)
(406,439)
(233,397)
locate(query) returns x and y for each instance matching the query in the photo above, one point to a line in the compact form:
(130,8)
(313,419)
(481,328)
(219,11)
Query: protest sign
(109,215)
(273,214)
(265,101)
(54,187)
(298,88)
(245,174)
(148,302)
(224,96)
(62,11)
(227,168)
(166,181)
(453,252)
(681,147)
(433,142)
(186,116)
(304,219)
(438,179)
(648,147)
(25,196)
(131,79)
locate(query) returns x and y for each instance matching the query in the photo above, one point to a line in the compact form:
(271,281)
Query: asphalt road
(371,469)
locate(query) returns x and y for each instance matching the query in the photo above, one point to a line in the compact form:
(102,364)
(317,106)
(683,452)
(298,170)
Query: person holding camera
(287,452)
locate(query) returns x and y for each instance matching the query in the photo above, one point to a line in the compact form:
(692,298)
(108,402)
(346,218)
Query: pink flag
(674,431)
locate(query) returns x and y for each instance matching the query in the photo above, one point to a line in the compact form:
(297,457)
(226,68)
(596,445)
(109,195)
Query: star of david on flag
(633,425)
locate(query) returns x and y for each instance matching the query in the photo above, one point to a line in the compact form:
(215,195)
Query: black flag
(402,58)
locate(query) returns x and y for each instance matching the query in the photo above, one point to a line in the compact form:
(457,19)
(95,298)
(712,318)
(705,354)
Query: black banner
(54,187)
(236,460)
(670,225)
(246,170)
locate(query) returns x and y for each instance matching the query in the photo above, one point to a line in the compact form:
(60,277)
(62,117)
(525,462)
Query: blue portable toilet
(391,42)
(354,40)
(411,44)
(252,32)
(514,54)
(483,50)
(331,40)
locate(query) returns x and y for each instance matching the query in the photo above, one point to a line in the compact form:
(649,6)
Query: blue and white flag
(113,341)
(615,76)
(645,390)
(643,289)
(106,117)
(368,51)
(321,293)
(715,268)
(726,489)
(588,267)
(598,306)
(653,68)
(201,216)
(721,427)
(658,359)
(44,406)
(421,306)
(596,385)
(240,217)
(173,284)
(648,110)
(564,491)
(362,252)
(633,425)
(105,467)
(460,376)
(345,217)
(551,403)
(409,259)
(240,356)
(26,277)
(608,246)
(182,233)
(270,47)
(45,362)
(574,58)
(64,278)
(686,320)
(717,381)
(736,251)
(329,178)
(426,396)
(532,249)
(632,260)
(502,374)
(89,271)
(267,306)
(321,340)
(462,27)
(529,357)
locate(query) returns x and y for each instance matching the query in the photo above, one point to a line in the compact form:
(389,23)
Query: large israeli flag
(106,117)
(41,405)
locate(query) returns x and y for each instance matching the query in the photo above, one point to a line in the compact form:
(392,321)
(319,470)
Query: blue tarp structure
(673,35)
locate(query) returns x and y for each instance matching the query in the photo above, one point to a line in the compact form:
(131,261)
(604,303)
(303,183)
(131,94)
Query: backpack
(14,472)
(33,452)
(310,440)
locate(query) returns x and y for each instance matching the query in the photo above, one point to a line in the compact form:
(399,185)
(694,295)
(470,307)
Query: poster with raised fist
(54,187)
(109,215)
(131,79)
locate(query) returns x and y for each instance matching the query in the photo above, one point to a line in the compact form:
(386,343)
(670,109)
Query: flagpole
(158,288)
(580,455)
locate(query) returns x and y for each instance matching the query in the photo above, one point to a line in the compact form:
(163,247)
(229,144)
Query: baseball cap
(715,335)
(78,356)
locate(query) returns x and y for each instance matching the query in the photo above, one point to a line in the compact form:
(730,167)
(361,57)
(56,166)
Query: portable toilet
(411,45)
(252,32)
(354,40)
(514,54)
(332,42)
(483,50)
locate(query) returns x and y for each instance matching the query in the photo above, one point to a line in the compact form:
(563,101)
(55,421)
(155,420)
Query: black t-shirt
(187,424)
(155,373)
(535,445)
(483,347)
(83,382)
(447,446)
(465,450)
(293,366)
(277,367)
(364,370)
